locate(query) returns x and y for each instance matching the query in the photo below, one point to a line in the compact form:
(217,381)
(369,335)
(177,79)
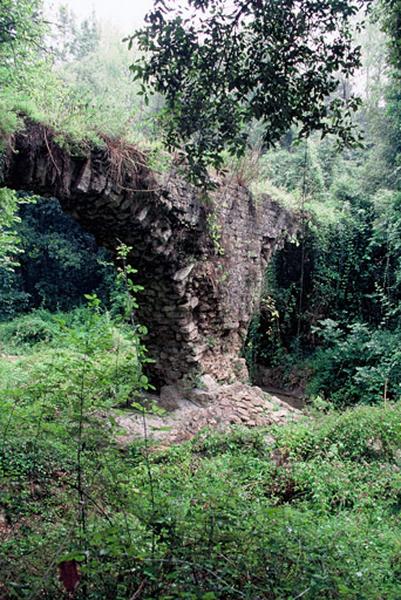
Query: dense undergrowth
(332,297)
(312,508)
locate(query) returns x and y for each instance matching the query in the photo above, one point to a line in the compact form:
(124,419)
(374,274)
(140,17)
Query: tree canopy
(220,65)
(392,24)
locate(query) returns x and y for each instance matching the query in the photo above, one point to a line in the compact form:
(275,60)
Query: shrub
(356,364)
(27,330)
(232,515)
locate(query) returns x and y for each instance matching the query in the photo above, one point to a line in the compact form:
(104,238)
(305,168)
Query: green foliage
(358,365)
(392,24)
(391,141)
(214,230)
(74,40)
(361,434)
(20,26)
(58,263)
(387,130)
(269,68)
(343,268)
(122,113)
(309,510)
(21,62)
(9,239)
(28,330)
(61,74)
(8,218)
(115,369)
(295,169)
(235,515)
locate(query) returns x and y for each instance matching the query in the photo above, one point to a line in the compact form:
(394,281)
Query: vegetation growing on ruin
(308,510)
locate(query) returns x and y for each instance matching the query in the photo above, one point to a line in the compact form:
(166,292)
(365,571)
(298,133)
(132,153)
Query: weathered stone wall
(201,262)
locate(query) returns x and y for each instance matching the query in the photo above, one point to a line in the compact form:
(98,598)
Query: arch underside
(201,263)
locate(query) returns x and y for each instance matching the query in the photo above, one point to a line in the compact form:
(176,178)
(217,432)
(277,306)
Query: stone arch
(201,263)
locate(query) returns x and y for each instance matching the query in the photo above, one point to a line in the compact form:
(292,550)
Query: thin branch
(50,153)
